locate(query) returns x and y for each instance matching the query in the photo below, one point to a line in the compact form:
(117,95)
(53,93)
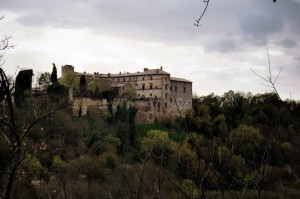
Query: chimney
(161,68)
(108,74)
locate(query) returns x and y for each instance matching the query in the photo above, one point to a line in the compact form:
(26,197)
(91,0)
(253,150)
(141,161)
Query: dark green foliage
(53,76)
(82,84)
(132,135)
(124,112)
(224,143)
(110,94)
(56,91)
(24,81)
(79,111)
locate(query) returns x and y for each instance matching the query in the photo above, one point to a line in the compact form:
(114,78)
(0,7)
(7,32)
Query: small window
(170,88)
(150,94)
(139,95)
(171,100)
(175,88)
(184,89)
(166,96)
(143,86)
(166,86)
(123,79)
(143,78)
(151,86)
(151,78)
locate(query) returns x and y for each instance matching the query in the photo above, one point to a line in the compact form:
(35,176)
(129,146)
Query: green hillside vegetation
(231,146)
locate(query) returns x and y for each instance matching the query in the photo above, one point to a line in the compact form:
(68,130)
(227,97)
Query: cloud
(288,43)
(259,26)
(111,35)
(223,46)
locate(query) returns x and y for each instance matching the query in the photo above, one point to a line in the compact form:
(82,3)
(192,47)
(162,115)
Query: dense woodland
(232,146)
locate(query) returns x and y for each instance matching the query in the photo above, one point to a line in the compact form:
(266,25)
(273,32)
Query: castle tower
(66,68)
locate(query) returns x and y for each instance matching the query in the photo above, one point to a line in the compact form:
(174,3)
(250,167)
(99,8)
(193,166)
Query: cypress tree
(53,76)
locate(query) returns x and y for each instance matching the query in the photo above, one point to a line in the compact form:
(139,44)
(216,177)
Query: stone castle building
(152,86)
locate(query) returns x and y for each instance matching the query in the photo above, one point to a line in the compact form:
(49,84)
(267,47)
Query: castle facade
(150,85)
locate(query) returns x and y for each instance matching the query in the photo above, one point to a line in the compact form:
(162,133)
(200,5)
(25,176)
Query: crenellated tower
(67,68)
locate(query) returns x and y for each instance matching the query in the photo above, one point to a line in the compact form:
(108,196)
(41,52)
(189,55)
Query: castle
(150,85)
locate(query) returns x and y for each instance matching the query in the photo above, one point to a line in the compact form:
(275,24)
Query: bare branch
(269,79)
(197,23)
(41,118)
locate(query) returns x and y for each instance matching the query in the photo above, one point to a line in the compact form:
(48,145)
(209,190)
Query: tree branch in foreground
(269,79)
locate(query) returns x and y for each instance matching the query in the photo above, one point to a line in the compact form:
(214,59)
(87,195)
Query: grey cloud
(258,26)
(223,46)
(158,20)
(292,15)
(288,43)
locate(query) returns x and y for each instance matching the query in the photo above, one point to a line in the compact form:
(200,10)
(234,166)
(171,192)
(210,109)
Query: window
(170,88)
(150,94)
(151,86)
(139,95)
(143,86)
(123,79)
(150,77)
(166,86)
(171,100)
(184,89)
(166,96)
(143,78)
(175,88)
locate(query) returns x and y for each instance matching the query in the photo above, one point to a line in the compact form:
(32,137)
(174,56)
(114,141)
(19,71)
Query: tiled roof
(180,79)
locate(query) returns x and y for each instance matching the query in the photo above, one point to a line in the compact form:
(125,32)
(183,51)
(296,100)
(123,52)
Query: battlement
(67,68)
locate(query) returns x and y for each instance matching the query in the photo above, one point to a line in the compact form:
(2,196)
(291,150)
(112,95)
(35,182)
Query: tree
(53,76)
(159,143)
(4,45)
(269,78)
(70,80)
(13,132)
(23,84)
(249,137)
(44,80)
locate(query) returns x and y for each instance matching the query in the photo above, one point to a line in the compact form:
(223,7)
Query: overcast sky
(128,35)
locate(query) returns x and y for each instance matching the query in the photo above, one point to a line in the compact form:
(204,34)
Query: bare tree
(14,133)
(4,44)
(269,78)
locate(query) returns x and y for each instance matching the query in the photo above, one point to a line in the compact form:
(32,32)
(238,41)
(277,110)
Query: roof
(180,79)
(145,72)
(148,72)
